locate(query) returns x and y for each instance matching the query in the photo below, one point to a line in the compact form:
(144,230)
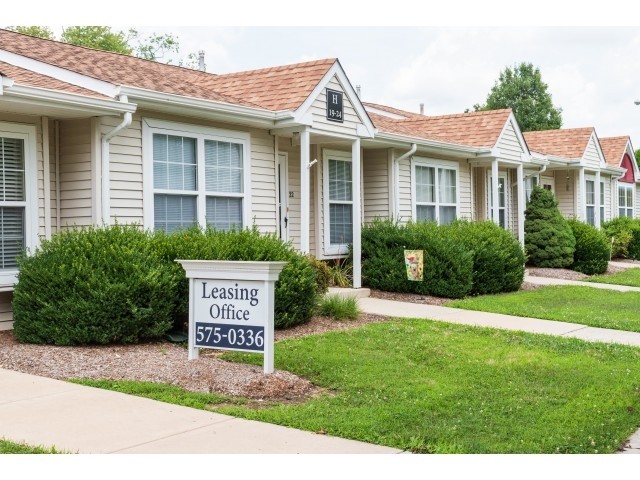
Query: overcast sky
(593,73)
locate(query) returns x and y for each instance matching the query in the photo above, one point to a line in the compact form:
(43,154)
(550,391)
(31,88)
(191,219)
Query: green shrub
(323,274)
(94,286)
(448,265)
(548,239)
(626,237)
(498,257)
(295,290)
(341,271)
(339,308)
(593,249)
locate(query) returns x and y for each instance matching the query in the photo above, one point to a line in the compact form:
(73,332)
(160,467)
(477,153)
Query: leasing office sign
(231,306)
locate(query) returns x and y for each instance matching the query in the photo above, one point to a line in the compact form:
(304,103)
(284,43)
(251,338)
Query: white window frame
(507,223)
(529,186)
(603,201)
(544,182)
(594,205)
(626,186)
(8,277)
(200,133)
(335,248)
(436,164)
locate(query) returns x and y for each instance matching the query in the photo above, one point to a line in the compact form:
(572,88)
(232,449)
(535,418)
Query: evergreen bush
(593,249)
(498,257)
(94,285)
(448,265)
(295,290)
(548,239)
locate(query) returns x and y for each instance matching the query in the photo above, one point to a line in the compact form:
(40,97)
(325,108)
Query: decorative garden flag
(414,261)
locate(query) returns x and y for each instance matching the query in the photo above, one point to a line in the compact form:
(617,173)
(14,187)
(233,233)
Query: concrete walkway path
(626,265)
(79,419)
(560,281)
(496,320)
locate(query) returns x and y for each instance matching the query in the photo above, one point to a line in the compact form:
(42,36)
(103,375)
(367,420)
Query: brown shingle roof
(275,88)
(395,111)
(475,129)
(566,143)
(33,79)
(613,149)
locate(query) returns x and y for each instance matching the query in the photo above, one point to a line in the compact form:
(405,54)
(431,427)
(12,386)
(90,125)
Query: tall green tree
(101,38)
(638,156)
(42,32)
(521,89)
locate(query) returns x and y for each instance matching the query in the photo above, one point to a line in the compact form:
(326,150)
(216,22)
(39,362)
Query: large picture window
(435,191)
(625,200)
(339,202)
(18,219)
(502,199)
(602,197)
(199,177)
(591,202)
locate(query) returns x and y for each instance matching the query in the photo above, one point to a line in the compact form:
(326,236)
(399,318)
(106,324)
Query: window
(338,187)
(435,191)
(18,201)
(625,200)
(602,219)
(529,183)
(198,176)
(591,202)
(502,199)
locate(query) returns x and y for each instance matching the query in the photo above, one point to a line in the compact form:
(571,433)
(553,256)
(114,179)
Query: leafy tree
(41,32)
(153,47)
(521,89)
(101,38)
(548,238)
(638,156)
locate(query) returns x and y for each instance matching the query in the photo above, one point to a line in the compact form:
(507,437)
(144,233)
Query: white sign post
(231,306)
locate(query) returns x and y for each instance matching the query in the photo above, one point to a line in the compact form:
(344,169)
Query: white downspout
(106,194)
(396,173)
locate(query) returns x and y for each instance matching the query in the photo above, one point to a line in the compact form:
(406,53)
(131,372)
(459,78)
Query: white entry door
(283,196)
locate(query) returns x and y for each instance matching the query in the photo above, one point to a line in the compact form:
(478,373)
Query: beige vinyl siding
(592,157)
(404,187)
(606,179)
(464,192)
(375,173)
(318,111)
(52,176)
(566,192)
(294,187)
(6,313)
(76,206)
(509,144)
(480,193)
(125,170)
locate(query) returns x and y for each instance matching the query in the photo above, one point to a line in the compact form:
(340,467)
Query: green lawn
(583,305)
(441,388)
(629,277)
(7,446)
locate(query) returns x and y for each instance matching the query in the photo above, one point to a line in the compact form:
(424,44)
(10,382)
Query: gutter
(106,195)
(396,174)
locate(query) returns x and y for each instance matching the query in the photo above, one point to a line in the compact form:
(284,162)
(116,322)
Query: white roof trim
(629,149)
(62,74)
(594,137)
(384,113)
(336,70)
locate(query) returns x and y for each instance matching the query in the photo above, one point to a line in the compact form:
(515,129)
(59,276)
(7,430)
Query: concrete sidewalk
(496,320)
(560,281)
(79,419)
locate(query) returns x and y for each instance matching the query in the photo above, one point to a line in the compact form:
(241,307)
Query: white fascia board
(62,74)
(337,70)
(190,105)
(629,150)
(594,138)
(36,95)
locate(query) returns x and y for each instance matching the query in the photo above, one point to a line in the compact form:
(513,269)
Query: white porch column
(494,189)
(521,203)
(582,198)
(304,191)
(357,214)
(597,219)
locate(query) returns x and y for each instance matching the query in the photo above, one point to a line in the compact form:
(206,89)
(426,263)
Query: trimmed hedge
(498,257)
(448,265)
(548,239)
(295,291)
(593,249)
(94,286)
